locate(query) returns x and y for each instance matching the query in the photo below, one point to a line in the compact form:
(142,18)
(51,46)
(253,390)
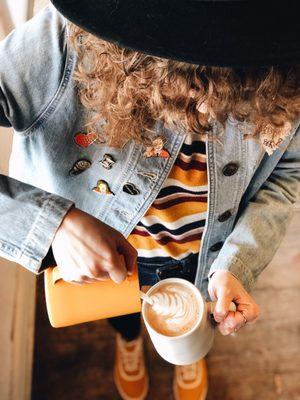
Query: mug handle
(212,304)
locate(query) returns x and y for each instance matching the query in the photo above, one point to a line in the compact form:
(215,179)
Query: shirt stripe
(172,227)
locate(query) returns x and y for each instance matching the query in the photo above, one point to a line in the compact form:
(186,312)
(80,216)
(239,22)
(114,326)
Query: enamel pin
(86,139)
(80,166)
(107,161)
(272,138)
(156,149)
(102,187)
(130,188)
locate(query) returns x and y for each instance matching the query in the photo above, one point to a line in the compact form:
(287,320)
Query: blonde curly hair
(125,92)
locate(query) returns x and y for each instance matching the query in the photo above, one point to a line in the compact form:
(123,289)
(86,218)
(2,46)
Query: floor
(262,362)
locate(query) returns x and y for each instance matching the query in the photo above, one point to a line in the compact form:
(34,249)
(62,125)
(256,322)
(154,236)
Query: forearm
(253,242)
(29,218)
(262,225)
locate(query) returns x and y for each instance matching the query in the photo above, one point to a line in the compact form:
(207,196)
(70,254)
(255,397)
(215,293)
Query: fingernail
(218,318)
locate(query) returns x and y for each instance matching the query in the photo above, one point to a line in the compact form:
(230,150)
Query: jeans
(129,326)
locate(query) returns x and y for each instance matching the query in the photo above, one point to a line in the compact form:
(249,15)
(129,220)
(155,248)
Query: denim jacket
(38,99)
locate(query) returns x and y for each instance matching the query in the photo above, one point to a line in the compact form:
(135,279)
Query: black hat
(204,32)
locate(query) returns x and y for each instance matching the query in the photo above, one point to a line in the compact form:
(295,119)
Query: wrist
(70,217)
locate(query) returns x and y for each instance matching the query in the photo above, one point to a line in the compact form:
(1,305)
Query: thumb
(222,307)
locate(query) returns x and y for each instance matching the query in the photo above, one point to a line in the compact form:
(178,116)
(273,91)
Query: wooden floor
(262,362)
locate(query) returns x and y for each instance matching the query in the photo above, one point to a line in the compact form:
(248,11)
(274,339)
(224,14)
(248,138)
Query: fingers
(83,279)
(117,268)
(225,287)
(85,249)
(93,270)
(111,267)
(232,323)
(129,253)
(246,313)
(222,307)
(119,261)
(250,310)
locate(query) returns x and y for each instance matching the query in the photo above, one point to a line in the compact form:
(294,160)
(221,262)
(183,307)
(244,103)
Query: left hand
(224,288)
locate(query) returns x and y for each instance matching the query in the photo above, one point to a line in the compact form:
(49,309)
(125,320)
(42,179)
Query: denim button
(217,246)
(225,216)
(230,169)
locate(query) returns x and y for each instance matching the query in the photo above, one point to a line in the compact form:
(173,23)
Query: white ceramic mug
(192,345)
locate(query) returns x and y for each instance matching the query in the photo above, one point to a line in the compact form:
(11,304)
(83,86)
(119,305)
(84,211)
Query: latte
(175,309)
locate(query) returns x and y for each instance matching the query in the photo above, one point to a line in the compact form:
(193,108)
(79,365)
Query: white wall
(17,307)
(17,286)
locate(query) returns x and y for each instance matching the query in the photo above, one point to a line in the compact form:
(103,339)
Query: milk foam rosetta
(175,309)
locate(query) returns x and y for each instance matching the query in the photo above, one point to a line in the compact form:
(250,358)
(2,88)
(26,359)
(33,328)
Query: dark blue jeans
(129,326)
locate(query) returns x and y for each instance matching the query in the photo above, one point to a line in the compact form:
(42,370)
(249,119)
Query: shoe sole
(176,396)
(124,395)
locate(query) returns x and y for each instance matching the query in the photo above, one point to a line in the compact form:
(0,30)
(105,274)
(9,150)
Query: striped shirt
(172,227)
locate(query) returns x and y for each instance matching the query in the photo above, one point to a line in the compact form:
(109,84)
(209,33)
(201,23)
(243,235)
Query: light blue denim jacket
(38,99)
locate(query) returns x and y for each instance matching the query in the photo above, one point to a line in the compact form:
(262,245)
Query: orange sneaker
(131,377)
(190,381)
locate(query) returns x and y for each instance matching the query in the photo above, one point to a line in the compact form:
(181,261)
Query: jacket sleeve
(31,67)
(247,250)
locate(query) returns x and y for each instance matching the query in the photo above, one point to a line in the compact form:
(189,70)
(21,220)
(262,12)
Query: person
(163,134)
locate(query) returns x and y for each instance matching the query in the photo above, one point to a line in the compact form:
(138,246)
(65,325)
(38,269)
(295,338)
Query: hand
(87,250)
(224,288)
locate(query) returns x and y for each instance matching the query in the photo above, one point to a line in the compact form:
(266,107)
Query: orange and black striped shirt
(173,226)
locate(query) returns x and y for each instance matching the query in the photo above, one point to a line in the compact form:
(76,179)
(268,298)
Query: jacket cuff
(38,242)
(237,268)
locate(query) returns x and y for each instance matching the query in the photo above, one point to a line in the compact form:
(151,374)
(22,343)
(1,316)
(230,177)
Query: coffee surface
(175,309)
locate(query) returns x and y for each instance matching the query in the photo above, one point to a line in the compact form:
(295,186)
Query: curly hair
(125,92)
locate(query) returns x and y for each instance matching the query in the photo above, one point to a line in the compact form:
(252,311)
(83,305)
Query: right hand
(225,287)
(87,250)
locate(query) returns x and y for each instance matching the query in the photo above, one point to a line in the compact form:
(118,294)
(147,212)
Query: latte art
(174,311)
(174,305)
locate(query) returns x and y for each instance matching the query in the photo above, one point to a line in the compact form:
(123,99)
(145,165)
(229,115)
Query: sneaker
(131,377)
(190,381)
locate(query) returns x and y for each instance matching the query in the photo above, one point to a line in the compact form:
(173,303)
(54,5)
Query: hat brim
(216,33)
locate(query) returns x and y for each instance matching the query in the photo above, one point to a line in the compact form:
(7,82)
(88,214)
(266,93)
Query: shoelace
(130,358)
(189,372)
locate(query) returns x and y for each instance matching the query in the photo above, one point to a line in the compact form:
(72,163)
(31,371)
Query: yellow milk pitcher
(69,304)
